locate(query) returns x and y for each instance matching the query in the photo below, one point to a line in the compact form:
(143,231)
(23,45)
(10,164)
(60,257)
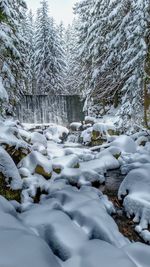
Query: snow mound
(83,153)
(31,250)
(135,189)
(86,135)
(38,138)
(75,126)
(89,212)
(138,253)
(69,161)
(9,170)
(35,162)
(105,161)
(58,230)
(9,135)
(99,252)
(125,143)
(89,120)
(56,133)
(103,128)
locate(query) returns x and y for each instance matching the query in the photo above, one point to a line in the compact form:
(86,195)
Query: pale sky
(61,10)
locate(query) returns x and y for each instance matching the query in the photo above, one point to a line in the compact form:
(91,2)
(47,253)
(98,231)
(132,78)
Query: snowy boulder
(89,120)
(90,213)
(142,140)
(70,161)
(135,190)
(35,162)
(101,132)
(104,161)
(12,141)
(6,207)
(99,253)
(83,153)
(58,230)
(115,151)
(109,160)
(25,135)
(9,135)
(38,138)
(86,136)
(125,143)
(56,133)
(138,253)
(76,126)
(40,148)
(9,170)
(29,250)
(104,128)
(75,176)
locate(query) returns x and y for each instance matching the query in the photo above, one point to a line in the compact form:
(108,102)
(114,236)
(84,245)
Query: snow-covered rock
(125,143)
(38,138)
(9,170)
(96,252)
(89,120)
(56,133)
(75,126)
(86,135)
(70,161)
(35,162)
(104,128)
(135,189)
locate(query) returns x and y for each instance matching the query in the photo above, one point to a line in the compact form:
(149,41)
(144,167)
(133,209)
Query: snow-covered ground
(63,220)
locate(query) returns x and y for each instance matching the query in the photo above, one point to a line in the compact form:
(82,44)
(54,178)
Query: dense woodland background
(103,56)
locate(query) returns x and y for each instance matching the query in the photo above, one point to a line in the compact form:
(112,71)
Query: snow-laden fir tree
(113,51)
(11,13)
(49,63)
(27,52)
(82,11)
(73,74)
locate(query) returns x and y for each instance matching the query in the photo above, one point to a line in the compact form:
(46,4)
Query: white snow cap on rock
(125,143)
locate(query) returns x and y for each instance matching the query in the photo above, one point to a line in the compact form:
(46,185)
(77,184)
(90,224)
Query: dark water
(58,109)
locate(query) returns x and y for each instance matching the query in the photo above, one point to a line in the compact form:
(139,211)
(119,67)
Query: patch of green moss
(57,170)
(111,132)
(40,170)
(95,135)
(77,166)
(117,155)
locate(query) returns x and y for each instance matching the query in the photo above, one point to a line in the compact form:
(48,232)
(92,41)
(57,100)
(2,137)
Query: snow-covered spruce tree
(73,74)
(147,74)
(10,39)
(114,46)
(108,78)
(49,63)
(82,11)
(27,52)
(97,49)
(134,62)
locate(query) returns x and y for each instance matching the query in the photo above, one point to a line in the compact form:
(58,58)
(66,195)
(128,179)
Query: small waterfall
(60,109)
